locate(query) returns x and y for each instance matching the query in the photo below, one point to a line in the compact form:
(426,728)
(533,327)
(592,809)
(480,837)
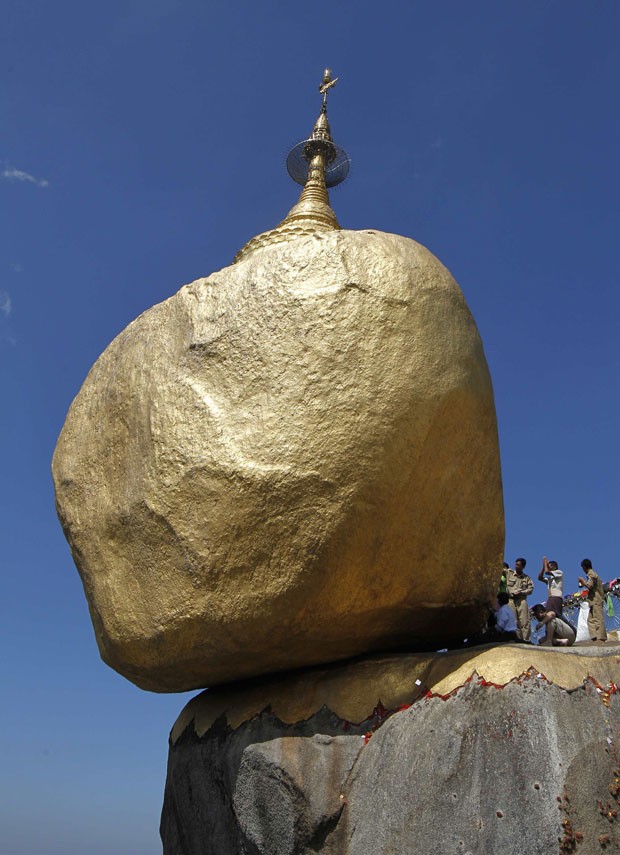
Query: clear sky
(142,144)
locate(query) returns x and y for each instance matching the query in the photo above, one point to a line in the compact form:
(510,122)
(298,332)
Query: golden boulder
(292,461)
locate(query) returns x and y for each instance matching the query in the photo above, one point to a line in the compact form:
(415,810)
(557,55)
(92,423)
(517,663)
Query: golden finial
(317,163)
(326,85)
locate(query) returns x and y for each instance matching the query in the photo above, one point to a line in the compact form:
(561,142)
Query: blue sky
(143,143)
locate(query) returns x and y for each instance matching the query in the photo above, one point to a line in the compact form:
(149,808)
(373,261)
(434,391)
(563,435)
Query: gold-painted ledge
(353,690)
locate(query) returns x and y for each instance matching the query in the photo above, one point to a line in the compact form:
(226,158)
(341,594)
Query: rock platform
(507,749)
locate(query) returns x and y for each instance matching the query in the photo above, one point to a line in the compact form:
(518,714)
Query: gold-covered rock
(290,462)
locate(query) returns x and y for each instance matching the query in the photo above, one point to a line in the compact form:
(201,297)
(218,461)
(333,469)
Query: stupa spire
(316,163)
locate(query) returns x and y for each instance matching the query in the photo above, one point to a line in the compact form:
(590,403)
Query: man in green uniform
(520,586)
(596,598)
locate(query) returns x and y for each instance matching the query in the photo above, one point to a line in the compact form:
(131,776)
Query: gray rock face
(494,781)
(238,791)
(273,804)
(525,768)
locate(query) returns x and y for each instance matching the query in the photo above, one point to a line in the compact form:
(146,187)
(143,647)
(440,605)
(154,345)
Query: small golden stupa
(317,163)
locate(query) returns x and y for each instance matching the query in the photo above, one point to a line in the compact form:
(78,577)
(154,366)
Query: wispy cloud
(7,336)
(9,173)
(5,303)
(16,267)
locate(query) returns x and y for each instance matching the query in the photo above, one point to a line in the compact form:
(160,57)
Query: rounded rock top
(290,462)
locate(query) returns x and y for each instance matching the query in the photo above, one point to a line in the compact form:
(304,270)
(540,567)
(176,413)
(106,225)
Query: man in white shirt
(553,577)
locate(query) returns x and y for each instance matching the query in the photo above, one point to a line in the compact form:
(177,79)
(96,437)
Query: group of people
(513,619)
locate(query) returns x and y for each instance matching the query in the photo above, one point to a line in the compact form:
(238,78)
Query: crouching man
(558,632)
